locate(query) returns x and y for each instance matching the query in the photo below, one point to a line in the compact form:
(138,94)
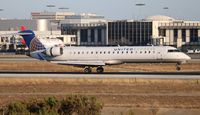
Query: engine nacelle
(54,51)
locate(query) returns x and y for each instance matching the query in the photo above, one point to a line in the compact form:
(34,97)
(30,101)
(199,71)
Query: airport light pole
(63,8)
(140,5)
(50,6)
(1,10)
(166,9)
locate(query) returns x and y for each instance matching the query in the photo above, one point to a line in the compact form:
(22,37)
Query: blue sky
(111,9)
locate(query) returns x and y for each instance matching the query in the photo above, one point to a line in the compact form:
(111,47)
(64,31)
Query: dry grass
(113,92)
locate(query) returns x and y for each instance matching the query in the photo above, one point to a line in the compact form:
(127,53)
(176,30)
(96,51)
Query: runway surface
(160,75)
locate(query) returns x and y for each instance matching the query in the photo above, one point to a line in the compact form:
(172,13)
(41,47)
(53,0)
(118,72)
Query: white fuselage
(118,55)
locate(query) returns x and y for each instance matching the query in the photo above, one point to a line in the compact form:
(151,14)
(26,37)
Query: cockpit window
(174,50)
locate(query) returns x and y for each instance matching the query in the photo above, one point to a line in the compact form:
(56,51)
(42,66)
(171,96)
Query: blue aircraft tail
(28,36)
(31,41)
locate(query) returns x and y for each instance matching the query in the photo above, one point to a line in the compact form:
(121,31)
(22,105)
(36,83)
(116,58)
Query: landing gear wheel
(87,70)
(100,69)
(178,68)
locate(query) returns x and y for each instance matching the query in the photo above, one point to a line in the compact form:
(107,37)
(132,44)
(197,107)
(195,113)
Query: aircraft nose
(187,57)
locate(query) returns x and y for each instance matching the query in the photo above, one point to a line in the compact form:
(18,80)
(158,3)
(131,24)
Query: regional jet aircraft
(89,57)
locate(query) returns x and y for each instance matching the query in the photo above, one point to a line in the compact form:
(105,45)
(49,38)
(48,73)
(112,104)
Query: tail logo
(36,45)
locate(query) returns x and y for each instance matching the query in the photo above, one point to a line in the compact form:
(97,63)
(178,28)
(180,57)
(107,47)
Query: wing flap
(80,63)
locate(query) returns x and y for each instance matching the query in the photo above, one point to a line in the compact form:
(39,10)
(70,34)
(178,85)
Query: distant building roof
(159,18)
(51,15)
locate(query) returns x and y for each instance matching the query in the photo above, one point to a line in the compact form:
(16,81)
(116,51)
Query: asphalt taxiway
(152,75)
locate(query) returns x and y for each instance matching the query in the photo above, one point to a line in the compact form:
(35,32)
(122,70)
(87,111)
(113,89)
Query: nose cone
(186,57)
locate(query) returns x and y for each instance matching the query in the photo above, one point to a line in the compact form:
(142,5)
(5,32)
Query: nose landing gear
(178,66)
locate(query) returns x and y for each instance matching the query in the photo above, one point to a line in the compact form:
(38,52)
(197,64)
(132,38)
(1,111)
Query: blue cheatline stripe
(40,57)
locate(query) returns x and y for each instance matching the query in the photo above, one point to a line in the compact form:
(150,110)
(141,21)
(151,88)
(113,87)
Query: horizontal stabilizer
(80,63)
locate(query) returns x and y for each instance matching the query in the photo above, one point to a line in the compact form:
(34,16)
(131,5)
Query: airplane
(90,57)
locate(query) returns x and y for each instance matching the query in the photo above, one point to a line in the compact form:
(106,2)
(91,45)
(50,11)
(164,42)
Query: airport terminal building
(129,32)
(154,30)
(89,29)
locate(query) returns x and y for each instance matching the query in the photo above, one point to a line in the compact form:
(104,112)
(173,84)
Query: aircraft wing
(80,63)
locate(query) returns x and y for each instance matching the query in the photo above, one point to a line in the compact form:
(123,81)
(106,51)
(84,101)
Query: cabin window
(104,52)
(91,52)
(122,52)
(96,52)
(131,52)
(87,52)
(145,52)
(82,52)
(113,52)
(118,52)
(149,52)
(140,51)
(109,52)
(100,52)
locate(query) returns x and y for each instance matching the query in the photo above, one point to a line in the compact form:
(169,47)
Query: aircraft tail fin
(28,36)
(31,41)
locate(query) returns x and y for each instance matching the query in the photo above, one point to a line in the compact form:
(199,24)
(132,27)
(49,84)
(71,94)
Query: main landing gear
(178,66)
(100,69)
(89,69)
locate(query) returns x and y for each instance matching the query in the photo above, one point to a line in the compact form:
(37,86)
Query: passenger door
(159,55)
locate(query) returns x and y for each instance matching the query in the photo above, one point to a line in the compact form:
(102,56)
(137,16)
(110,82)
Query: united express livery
(90,57)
